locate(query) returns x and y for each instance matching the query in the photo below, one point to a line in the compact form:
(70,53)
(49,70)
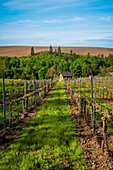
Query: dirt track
(25,50)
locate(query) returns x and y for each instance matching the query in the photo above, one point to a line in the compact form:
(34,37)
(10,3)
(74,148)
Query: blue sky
(56,22)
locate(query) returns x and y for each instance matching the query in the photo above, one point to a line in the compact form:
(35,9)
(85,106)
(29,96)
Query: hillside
(25,50)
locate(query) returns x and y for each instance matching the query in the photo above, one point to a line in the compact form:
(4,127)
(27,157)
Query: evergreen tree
(50,49)
(32,51)
(71,52)
(59,50)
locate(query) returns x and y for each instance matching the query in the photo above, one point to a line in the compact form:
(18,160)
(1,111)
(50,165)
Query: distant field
(25,50)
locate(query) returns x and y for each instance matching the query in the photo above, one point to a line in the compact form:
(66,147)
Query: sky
(83,23)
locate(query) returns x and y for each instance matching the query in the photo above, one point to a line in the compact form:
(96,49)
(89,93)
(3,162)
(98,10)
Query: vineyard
(94,100)
(18,96)
(49,140)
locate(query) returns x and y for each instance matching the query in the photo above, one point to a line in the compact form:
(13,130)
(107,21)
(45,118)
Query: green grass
(48,141)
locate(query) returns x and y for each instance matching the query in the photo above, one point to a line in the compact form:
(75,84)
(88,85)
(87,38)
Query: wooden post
(35,92)
(25,95)
(92,99)
(4,102)
(94,119)
(102,88)
(44,88)
(94,86)
(71,89)
(40,90)
(104,142)
(80,95)
(48,86)
(85,109)
(71,83)
(10,114)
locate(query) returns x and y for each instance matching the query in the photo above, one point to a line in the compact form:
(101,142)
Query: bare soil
(90,142)
(20,51)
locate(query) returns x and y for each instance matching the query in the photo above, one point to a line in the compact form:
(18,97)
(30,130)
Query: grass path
(48,141)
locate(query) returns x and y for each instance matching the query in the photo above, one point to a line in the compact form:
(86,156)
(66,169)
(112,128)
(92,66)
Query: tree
(102,55)
(42,72)
(51,72)
(71,52)
(50,49)
(77,71)
(88,55)
(102,70)
(2,67)
(59,50)
(32,51)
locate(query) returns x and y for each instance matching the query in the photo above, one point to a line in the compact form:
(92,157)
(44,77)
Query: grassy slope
(49,140)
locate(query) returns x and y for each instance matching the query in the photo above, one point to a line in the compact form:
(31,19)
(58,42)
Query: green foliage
(39,64)
(77,70)
(2,67)
(48,141)
(51,72)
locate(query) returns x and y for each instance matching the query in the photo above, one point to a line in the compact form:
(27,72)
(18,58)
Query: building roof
(68,74)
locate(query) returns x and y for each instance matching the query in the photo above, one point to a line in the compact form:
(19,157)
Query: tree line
(49,63)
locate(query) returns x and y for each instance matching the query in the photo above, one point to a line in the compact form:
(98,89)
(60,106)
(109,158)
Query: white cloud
(25,21)
(52,21)
(76,19)
(62,20)
(50,4)
(108,18)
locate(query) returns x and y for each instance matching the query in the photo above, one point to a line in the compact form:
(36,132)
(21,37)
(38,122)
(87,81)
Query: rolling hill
(25,50)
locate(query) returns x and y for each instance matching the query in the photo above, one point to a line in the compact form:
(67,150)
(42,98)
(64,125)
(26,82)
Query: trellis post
(104,142)
(35,91)
(40,89)
(25,94)
(79,94)
(92,99)
(4,102)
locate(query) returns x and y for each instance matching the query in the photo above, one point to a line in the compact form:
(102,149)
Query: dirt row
(90,142)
